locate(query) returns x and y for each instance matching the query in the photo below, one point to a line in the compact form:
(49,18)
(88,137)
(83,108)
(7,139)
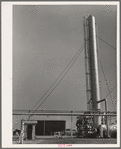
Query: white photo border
(6,108)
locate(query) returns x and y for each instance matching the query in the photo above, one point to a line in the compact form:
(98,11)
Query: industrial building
(48,127)
(42,127)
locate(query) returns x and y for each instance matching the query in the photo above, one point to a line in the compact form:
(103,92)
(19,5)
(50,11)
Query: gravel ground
(69,141)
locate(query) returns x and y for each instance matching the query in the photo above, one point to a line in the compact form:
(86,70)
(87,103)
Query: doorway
(29,132)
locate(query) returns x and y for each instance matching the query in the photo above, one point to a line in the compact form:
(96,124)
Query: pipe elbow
(105,99)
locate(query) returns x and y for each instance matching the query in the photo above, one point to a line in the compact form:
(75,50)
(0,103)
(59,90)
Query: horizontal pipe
(65,114)
(60,111)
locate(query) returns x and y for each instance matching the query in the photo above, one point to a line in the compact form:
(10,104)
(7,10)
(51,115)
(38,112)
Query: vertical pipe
(85,45)
(95,89)
(87,63)
(106,109)
(106,117)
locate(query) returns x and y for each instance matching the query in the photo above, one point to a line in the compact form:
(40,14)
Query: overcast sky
(45,39)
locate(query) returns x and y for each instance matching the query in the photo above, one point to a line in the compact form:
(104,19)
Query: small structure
(28,130)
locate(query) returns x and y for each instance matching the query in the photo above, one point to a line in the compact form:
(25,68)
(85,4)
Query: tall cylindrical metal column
(91,62)
(87,65)
(95,88)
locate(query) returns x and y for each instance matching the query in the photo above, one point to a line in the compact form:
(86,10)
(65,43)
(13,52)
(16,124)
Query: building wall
(47,127)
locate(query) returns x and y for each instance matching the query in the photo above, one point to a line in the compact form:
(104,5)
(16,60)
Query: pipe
(106,109)
(65,114)
(87,63)
(56,111)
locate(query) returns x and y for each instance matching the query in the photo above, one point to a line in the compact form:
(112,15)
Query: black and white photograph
(60,74)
